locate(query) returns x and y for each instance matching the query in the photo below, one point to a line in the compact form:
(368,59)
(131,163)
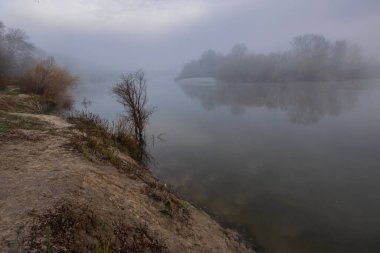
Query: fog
(281,143)
(312,58)
(160,36)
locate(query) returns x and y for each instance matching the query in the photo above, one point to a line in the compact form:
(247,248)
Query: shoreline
(48,180)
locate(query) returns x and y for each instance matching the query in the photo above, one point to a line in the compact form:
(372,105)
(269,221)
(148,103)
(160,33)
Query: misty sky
(161,35)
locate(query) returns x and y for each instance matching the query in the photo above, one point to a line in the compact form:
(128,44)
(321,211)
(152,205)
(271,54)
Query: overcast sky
(164,34)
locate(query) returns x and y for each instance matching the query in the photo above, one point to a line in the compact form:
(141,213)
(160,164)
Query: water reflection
(294,188)
(304,103)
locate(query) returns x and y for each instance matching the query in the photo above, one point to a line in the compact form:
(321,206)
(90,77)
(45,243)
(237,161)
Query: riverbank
(55,198)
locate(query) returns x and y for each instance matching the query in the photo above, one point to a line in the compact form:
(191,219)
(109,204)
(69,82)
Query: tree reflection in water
(304,102)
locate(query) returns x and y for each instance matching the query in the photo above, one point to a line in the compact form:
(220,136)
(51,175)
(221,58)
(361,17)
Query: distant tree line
(311,58)
(22,65)
(16,53)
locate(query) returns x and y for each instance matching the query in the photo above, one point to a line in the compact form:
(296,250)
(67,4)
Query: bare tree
(17,55)
(131,93)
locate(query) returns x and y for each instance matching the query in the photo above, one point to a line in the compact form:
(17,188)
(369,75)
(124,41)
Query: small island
(312,57)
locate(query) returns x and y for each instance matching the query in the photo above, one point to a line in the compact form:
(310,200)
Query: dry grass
(138,239)
(169,204)
(9,90)
(73,228)
(3,84)
(102,140)
(49,81)
(9,122)
(11,101)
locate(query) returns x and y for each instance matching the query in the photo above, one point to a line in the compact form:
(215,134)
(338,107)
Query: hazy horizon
(160,36)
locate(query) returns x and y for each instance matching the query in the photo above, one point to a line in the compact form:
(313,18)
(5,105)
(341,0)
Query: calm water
(295,166)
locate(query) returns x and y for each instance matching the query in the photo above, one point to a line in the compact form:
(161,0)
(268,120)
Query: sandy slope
(39,170)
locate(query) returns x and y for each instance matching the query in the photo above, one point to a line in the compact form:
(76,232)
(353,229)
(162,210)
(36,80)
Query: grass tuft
(71,227)
(9,90)
(170,204)
(9,122)
(100,141)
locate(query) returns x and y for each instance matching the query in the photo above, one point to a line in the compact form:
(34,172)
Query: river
(296,166)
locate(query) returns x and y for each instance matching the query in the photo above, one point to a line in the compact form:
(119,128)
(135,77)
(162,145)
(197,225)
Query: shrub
(102,138)
(122,134)
(51,82)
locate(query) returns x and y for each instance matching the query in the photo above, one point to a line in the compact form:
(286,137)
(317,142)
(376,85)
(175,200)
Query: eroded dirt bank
(54,198)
